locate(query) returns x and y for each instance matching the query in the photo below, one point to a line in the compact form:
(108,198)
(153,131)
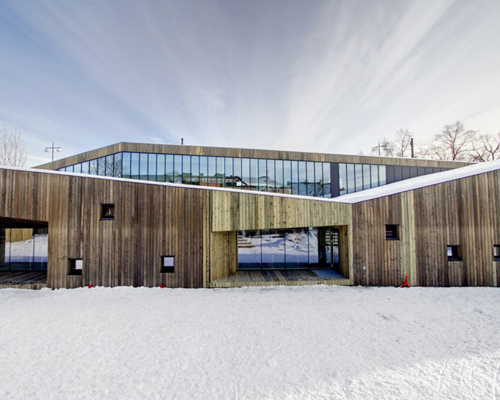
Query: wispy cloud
(319,75)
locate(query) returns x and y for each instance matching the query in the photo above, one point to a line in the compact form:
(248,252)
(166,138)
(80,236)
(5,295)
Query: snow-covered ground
(306,342)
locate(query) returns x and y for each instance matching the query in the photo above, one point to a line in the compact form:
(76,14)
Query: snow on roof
(170,184)
(419,182)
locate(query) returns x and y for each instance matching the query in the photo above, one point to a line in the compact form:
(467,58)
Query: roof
(246,153)
(419,182)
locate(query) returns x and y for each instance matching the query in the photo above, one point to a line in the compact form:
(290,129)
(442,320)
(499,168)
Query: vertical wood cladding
(463,212)
(198,228)
(150,221)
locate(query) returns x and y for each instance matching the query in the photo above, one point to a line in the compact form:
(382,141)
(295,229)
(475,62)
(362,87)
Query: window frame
(392,232)
(496,249)
(456,252)
(104,208)
(74,269)
(167,268)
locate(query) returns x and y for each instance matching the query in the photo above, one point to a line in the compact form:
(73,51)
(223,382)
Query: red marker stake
(405,283)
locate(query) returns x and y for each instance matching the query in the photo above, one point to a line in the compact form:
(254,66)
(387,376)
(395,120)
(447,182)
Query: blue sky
(305,75)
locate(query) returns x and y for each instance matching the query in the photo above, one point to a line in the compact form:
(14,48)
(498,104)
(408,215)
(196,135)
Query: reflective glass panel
(350,178)
(262,175)
(212,169)
(296,248)
(237,170)
(312,235)
(93,167)
(381,175)
(228,168)
(311,179)
(254,174)
(287,177)
(143,166)
(125,165)
(195,170)
(310,172)
(169,168)
(86,167)
(152,167)
(118,165)
(186,169)
(318,179)
(302,178)
(101,166)
(273,249)
(366,177)
(278,176)
(295,177)
(374,175)
(245,172)
(342,179)
(327,189)
(271,176)
(249,250)
(358,170)
(203,170)
(109,165)
(160,167)
(220,174)
(177,168)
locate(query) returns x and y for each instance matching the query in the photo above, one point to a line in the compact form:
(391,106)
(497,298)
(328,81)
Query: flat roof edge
(245,153)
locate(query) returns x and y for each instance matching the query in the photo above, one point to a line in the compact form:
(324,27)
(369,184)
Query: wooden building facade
(121,232)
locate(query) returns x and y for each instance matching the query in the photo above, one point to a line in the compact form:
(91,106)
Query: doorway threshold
(281,278)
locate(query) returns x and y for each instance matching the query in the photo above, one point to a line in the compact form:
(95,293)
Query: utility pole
(380,146)
(53,148)
(411,148)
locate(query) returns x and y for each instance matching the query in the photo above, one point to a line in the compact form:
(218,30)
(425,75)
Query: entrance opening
(23,251)
(289,249)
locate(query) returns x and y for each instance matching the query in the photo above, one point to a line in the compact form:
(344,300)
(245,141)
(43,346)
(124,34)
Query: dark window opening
(496,252)
(454,252)
(108,211)
(75,266)
(392,232)
(167,264)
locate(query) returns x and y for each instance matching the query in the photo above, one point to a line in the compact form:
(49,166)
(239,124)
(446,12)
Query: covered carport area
(23,252)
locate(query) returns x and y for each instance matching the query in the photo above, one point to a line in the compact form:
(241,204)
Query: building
(185,216)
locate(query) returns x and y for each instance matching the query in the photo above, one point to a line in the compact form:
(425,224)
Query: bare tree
(12,148)
(384,149)
(402,143)
(424,149)
(454,142)
(486,148)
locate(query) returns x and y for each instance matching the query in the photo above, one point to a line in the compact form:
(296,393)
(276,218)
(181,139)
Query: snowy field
(251,343)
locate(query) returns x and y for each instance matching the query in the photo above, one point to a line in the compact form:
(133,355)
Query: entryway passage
(281,278)
(23,251)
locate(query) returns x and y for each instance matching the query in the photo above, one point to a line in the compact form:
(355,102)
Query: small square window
(496,252)
(108,211)
(454,252)
(392,232)
(167,264)
(75,266)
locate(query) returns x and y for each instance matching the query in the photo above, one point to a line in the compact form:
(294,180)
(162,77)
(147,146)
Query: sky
(304,75)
